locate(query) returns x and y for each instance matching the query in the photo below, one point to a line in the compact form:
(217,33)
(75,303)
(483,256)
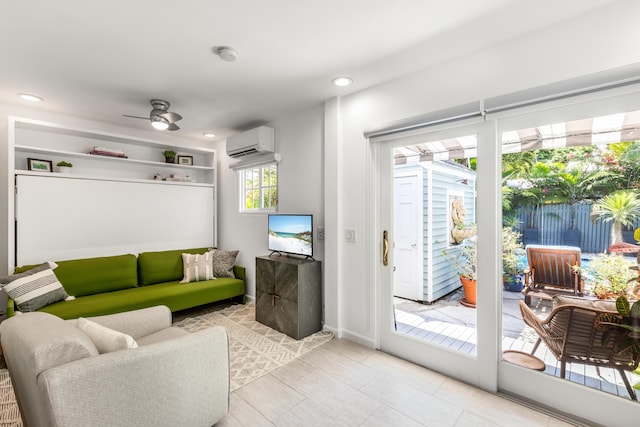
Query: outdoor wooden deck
(464,339)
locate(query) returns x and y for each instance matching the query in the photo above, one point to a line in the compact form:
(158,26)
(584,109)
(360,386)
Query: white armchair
(172,378)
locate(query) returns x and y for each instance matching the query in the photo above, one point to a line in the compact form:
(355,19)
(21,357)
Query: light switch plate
(350,235)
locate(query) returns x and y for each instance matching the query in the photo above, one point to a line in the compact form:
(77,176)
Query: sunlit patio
(448,323)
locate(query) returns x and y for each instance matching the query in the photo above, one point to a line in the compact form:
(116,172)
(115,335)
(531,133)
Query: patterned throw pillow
(223,262)
(197,267)
(34,288)
(105,339)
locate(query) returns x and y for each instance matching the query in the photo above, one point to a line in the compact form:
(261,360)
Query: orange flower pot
(469,287)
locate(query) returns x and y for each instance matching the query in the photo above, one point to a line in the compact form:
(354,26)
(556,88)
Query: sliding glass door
(570,197)
(538,195)
(429,216)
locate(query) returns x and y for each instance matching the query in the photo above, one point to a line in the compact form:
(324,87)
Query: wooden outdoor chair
(570,334)
(551,271)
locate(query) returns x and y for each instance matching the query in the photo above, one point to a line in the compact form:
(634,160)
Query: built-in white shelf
(34,139)
(108,178)
(96,157)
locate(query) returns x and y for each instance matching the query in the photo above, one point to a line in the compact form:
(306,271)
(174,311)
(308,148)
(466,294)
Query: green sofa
(114,284)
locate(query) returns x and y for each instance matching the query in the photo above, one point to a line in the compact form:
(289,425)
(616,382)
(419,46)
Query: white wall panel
(69,218)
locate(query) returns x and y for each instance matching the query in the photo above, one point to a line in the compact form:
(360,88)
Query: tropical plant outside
(609,276)
(621,207)
(513,255)
(463,258)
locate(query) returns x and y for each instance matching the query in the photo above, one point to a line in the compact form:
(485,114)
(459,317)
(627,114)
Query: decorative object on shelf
(177,178)
(64,167)
(185,160)
(109,152)
(169,156)
(157,177)
(39,165)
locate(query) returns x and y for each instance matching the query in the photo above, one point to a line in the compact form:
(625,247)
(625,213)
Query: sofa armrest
(182,381)
(137,323)
(240,273)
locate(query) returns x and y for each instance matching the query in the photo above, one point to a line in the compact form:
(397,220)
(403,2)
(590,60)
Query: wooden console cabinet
(289,295)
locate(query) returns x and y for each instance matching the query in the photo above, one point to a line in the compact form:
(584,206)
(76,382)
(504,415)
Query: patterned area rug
(254,349)
(9,413)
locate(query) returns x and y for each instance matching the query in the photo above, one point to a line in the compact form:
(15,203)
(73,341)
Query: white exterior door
(407,244)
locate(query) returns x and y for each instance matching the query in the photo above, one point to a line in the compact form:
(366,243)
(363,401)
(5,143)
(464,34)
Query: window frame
(261,187)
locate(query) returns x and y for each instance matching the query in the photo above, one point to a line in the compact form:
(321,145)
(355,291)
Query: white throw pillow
(197,267)
(105,339)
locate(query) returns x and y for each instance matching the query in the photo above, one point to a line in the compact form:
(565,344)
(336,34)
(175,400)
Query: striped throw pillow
(197,267)
(34,288)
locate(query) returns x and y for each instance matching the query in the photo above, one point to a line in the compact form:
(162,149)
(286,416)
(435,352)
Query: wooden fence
(548,225)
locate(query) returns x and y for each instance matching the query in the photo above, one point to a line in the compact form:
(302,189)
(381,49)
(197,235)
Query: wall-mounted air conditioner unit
(258,140)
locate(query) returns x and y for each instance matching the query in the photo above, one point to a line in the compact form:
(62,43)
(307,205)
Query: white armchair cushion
(106,340)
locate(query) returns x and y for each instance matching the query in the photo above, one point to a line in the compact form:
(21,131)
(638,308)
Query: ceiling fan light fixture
(160,117)
(159,123)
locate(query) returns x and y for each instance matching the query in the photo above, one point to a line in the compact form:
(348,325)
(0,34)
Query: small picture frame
(185,160)
(39,165)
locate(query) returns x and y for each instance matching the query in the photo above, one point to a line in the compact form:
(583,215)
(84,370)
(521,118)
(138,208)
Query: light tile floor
(345,384)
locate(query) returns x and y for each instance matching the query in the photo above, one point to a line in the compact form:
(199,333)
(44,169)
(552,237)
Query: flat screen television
(291,234)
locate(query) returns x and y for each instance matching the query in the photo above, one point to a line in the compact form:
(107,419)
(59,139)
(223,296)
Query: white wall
(590,43)
(300,190)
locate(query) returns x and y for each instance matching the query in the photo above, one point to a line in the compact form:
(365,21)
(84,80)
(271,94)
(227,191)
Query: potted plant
(513,260)
(610,276)
(169,156)
(64,167)
(463,259)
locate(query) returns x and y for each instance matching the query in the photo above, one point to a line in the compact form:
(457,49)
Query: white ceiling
(99,60)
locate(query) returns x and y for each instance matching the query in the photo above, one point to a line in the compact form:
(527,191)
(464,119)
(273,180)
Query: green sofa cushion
(81,277)
(164,266)
(172,294)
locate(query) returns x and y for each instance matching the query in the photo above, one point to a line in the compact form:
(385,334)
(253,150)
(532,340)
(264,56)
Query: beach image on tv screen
(291,233)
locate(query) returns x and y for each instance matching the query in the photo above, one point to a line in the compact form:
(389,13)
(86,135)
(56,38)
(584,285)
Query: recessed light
(342,81)
(30,97)
(209,135)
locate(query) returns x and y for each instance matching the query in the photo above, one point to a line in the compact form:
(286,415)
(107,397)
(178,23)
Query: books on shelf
(109,152)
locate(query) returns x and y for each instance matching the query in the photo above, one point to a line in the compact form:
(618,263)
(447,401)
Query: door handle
(385,248)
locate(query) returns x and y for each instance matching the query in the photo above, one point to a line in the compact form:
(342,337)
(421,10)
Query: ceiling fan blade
(173,126)
(135,117)
(171,117)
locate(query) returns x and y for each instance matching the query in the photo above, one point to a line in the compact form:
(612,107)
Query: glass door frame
(487,370)
(481,369)
(593,405)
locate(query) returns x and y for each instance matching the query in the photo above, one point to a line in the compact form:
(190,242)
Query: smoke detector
(226,53)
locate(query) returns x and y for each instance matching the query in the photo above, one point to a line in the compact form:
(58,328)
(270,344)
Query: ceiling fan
(161,118)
